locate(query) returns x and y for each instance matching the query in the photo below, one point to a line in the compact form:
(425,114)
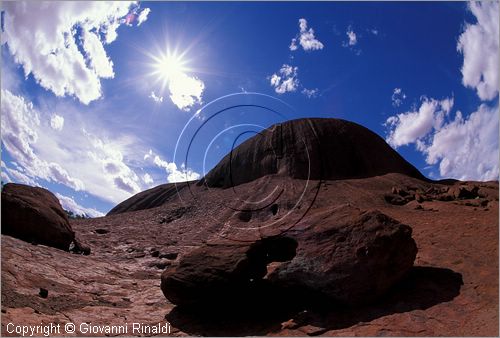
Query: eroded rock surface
(348,256)
(311,148)
(225,272)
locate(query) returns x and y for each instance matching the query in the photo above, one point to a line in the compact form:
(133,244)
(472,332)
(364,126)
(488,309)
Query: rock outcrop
(35,215)
(454,191)
(314,148)
(148,199)
(348,256)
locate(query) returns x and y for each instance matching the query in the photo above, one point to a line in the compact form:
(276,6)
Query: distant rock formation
(35,215)
(148,199)
(315,148)
(318,148)
(348,256)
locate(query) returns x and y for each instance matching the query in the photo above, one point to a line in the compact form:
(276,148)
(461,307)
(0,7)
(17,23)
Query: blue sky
(101,99)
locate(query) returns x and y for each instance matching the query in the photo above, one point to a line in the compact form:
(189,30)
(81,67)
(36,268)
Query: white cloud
(447,104)
(43,37)
(16,175)
(96,55)
(20,125)
(467,148)
(143,16)
(353,40)
(109,31)
(479,45)
(185,91)
(149,154)
(100,166)
(112,164)
(406,128)
(57,122)
(70,204)
(147,179)
(175,174)
(126,184)
(398,97)
(20,177)
(157,99)
(285,80)
(169,166)
(305,38)
(182,175)
(310,93)
(5,175)
(60,175)
(464,148)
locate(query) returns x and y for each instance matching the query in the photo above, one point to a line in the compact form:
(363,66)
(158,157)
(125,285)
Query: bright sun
(167,67)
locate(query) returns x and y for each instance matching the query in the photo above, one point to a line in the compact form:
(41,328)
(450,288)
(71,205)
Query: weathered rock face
(312,148)
(347,256)
(223,271)
(148,199)
(35,215)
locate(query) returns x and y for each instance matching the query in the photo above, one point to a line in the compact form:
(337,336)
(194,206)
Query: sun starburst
(168,67)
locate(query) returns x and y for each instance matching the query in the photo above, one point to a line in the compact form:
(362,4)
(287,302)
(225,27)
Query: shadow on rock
(258,310)
(264,309)
(422,288)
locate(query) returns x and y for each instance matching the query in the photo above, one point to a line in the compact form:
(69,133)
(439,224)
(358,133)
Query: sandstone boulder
(347,256)
(464,191)
(395,199)
(223,270)
(35,215)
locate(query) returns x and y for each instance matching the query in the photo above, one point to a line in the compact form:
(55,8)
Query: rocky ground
(451,291)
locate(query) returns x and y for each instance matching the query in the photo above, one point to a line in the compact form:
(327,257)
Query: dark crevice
(245,216)
(261,254)
(274,209)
